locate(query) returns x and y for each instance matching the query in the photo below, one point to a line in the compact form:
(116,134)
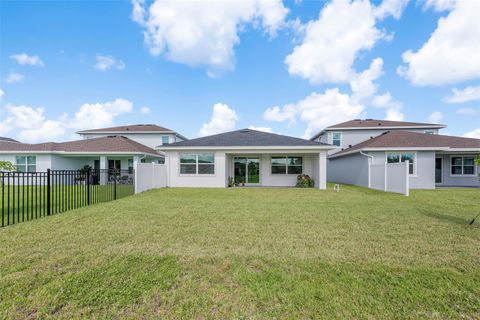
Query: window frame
(474,174)
(400,153)
(332,139)
(168,140)
(197,164)
(286,165)
(27,164)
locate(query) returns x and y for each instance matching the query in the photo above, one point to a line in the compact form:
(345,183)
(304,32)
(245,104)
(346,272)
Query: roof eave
(435,126)
(305,147)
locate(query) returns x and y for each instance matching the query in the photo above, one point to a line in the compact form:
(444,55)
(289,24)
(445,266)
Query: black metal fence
(26,196)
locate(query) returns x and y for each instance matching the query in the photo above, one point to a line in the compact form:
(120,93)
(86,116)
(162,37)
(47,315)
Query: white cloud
(451,53)
(332,42)
(264,129)
(473,134)
(25,59)
(318,110)
(30,124)
(467,94)
(204,33)
(2,93)
(435,117)
(14,77)
(440,5)
(48,131)
(108,62)
(145,110)
(392,107)
(99,115)
(392,8)
(362,84)
(468,111)
(223,119)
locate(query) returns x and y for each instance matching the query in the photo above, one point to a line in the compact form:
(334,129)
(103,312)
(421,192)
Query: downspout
(369,163)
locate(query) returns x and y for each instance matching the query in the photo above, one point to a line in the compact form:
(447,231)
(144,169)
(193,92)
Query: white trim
(414,174)
(261,148)
(462,175)
(385,127)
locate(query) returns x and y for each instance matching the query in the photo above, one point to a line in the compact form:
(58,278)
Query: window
(462,166)
(26,163)
(430,132)
(165,140)
(287,165)
(130,166)
(197,163)
(397,157)
(337,139)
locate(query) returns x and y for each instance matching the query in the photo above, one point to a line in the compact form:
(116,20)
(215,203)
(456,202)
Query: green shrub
(304,181)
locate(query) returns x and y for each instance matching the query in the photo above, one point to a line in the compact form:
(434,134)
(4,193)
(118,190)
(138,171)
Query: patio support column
(322,170)
(103,167)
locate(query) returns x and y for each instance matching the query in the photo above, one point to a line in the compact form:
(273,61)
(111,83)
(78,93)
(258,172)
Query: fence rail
(26,196)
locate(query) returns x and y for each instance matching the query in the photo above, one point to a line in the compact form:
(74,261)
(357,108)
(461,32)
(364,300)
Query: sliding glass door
(246,170)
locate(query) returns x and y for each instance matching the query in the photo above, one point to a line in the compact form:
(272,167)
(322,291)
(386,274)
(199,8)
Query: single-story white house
(249,157)
(109,152)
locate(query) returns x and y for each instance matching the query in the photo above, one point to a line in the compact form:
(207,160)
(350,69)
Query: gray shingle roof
(130,128)
(408,139)
(244,138)
(8,139)
(100,145)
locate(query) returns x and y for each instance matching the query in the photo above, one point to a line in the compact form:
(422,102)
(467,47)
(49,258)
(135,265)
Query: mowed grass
(239,253)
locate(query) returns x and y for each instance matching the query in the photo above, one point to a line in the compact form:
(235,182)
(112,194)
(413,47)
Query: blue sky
(201,67)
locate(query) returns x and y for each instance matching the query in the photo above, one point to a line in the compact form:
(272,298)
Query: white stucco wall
(224,169)
(43,161)
(175,179)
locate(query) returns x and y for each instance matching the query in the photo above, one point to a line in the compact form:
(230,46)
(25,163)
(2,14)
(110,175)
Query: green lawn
(249,254)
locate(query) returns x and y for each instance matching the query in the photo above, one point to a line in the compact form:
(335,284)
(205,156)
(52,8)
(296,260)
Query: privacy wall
(150,176)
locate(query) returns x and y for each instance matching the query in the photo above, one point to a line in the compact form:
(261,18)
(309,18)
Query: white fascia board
(67,153)
(386,128)
(407,149)
(259,148)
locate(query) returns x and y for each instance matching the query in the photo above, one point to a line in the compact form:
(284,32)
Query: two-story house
(105,148)
(434,159)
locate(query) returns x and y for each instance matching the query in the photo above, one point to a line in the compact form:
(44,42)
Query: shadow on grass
(448,218)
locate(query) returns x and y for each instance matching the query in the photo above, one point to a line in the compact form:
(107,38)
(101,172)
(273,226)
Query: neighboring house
(5,139)
(434,160)
(247,156)
(110,152)
(347,134)
(150,135)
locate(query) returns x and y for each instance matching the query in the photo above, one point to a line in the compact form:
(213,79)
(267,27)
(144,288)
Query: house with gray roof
(369,149)
(109,152)
(247,157)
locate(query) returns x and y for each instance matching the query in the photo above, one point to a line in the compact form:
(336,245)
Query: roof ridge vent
(245,130)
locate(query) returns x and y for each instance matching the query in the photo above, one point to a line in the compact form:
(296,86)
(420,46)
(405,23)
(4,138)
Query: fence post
(115,186)
(48,193)
(87,181)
